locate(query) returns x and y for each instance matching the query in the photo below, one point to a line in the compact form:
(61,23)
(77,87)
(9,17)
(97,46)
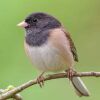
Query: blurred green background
(80,17)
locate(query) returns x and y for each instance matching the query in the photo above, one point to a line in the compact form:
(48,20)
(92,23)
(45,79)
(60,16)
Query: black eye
(31,20)
(34,20)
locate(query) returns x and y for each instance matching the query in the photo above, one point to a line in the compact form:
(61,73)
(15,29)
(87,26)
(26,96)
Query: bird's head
(39,21)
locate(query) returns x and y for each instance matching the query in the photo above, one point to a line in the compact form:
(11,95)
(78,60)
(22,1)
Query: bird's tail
(79,87)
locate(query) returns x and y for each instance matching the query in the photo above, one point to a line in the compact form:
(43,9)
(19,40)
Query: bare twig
(22,87)
(15,97)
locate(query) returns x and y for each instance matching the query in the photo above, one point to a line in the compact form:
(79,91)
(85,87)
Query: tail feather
(80,87)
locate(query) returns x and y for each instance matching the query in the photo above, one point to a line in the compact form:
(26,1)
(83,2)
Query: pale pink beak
(23,24)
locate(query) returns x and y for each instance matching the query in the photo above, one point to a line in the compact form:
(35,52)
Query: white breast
(46,58)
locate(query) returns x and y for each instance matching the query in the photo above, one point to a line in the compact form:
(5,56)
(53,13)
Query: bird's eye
(31,20)
(35,20)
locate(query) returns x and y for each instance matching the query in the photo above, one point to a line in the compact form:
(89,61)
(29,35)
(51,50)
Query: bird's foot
(70,73)
(40,80)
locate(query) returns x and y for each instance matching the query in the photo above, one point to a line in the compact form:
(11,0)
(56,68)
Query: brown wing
(72,46)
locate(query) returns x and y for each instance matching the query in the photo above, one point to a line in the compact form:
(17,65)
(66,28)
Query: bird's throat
(36,37)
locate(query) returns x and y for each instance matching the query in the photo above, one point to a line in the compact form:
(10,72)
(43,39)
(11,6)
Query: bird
(50,48)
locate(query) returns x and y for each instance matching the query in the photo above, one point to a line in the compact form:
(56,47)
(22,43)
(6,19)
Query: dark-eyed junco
(50,47)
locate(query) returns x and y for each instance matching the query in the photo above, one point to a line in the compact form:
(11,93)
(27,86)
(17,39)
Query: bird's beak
(22,24)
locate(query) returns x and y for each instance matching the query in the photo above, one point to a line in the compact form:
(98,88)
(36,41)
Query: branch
(22,87)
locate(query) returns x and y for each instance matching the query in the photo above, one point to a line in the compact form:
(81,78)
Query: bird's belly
(46,58)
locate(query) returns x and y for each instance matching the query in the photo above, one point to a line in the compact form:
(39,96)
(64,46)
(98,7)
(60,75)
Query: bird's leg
(40,80)
(70,72)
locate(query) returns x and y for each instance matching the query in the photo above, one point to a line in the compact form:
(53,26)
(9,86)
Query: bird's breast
(45,57)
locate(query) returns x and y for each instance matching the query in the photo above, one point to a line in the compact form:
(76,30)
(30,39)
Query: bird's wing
(72,46)
(64,43)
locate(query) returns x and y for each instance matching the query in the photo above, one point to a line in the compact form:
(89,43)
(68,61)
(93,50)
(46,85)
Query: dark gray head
(37,26)
(41,21)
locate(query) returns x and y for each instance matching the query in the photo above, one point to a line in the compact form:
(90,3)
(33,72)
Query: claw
(70,73)
(40,80)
